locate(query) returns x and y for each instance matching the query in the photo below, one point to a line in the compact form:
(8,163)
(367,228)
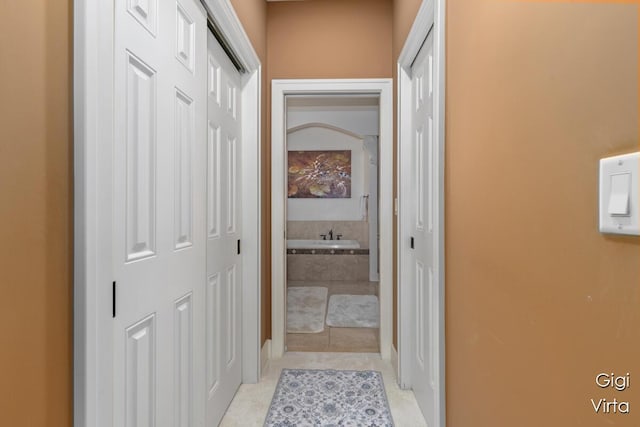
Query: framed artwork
(319,174)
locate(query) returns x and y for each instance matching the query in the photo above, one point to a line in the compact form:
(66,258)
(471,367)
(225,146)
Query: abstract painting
(319,174)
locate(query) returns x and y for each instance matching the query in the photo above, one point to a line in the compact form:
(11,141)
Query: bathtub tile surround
(328,267)
(323,264)
(308,267)
(328,251)
(324,247)
(311,230)
(322,244)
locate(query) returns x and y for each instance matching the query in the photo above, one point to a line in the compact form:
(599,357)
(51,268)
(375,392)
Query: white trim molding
(394,359)
(228,22)
(251,225)
(430,17)
(265,355)
(280,89)
(325,126)
(93,142)
(93,139)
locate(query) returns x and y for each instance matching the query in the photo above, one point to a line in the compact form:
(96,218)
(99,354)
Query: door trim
(93,144)
(431,14)
(281,88)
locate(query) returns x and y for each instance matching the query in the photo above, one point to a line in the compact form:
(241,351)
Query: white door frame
(93,147)
(281,88)
(430,14)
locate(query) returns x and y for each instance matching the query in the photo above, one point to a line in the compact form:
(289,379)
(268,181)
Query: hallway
(538,300)
(251,402)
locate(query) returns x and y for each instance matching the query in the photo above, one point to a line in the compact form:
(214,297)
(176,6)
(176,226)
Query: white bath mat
(306,306)
(353,311)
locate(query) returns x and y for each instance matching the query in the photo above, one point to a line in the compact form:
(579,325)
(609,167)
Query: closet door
(424,274)
(224,230)
(158,213)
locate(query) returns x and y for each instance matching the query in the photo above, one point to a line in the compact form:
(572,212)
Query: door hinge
(411,242)
(113,300)
(238,246)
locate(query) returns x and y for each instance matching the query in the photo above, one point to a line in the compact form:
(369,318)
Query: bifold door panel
(159,226)
(423,243)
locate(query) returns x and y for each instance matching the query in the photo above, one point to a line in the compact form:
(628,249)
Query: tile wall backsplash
(328,267)
(350,230)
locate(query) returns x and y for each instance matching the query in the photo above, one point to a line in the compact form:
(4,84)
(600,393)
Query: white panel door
(424,274)
(159,213)
(224,273)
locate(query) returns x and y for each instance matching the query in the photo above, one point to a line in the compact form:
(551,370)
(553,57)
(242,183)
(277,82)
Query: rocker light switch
(619,197)
(619,194)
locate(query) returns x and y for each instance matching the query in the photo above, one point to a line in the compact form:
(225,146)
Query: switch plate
(619,212)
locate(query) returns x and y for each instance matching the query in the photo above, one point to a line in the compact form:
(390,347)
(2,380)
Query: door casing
(431,14)
(93,160)
(280,89)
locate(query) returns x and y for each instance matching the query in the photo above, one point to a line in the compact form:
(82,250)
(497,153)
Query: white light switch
(619,197)
(619,194)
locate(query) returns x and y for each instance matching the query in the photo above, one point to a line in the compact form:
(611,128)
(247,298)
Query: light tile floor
(358,340)
(251,402)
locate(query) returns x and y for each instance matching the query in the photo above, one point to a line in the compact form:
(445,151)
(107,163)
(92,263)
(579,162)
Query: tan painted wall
(253,16)
(323,39)
(329,39)
(35,213)
(404,13)
(538,301)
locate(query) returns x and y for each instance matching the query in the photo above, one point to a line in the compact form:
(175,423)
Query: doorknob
(411,242)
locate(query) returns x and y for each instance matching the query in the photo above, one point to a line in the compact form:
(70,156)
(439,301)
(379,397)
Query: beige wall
(253,16)
(329,39)
(35,213)
(537,300)
(322,39)
(404,13)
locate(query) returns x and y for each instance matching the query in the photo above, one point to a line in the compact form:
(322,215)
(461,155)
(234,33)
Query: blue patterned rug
(327,398)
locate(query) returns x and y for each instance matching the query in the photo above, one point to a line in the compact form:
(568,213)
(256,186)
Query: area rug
(306,306)
(323,398)
(353,311)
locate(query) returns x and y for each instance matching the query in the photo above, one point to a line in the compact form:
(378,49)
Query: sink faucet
(330,234)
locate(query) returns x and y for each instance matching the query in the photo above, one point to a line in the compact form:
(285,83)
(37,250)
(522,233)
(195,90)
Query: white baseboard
(394,361)
(265,355)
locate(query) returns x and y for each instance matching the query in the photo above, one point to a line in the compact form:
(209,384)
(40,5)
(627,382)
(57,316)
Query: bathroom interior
(332,223)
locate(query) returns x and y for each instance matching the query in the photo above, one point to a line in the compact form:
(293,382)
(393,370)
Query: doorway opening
(332,229)
(325,121)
